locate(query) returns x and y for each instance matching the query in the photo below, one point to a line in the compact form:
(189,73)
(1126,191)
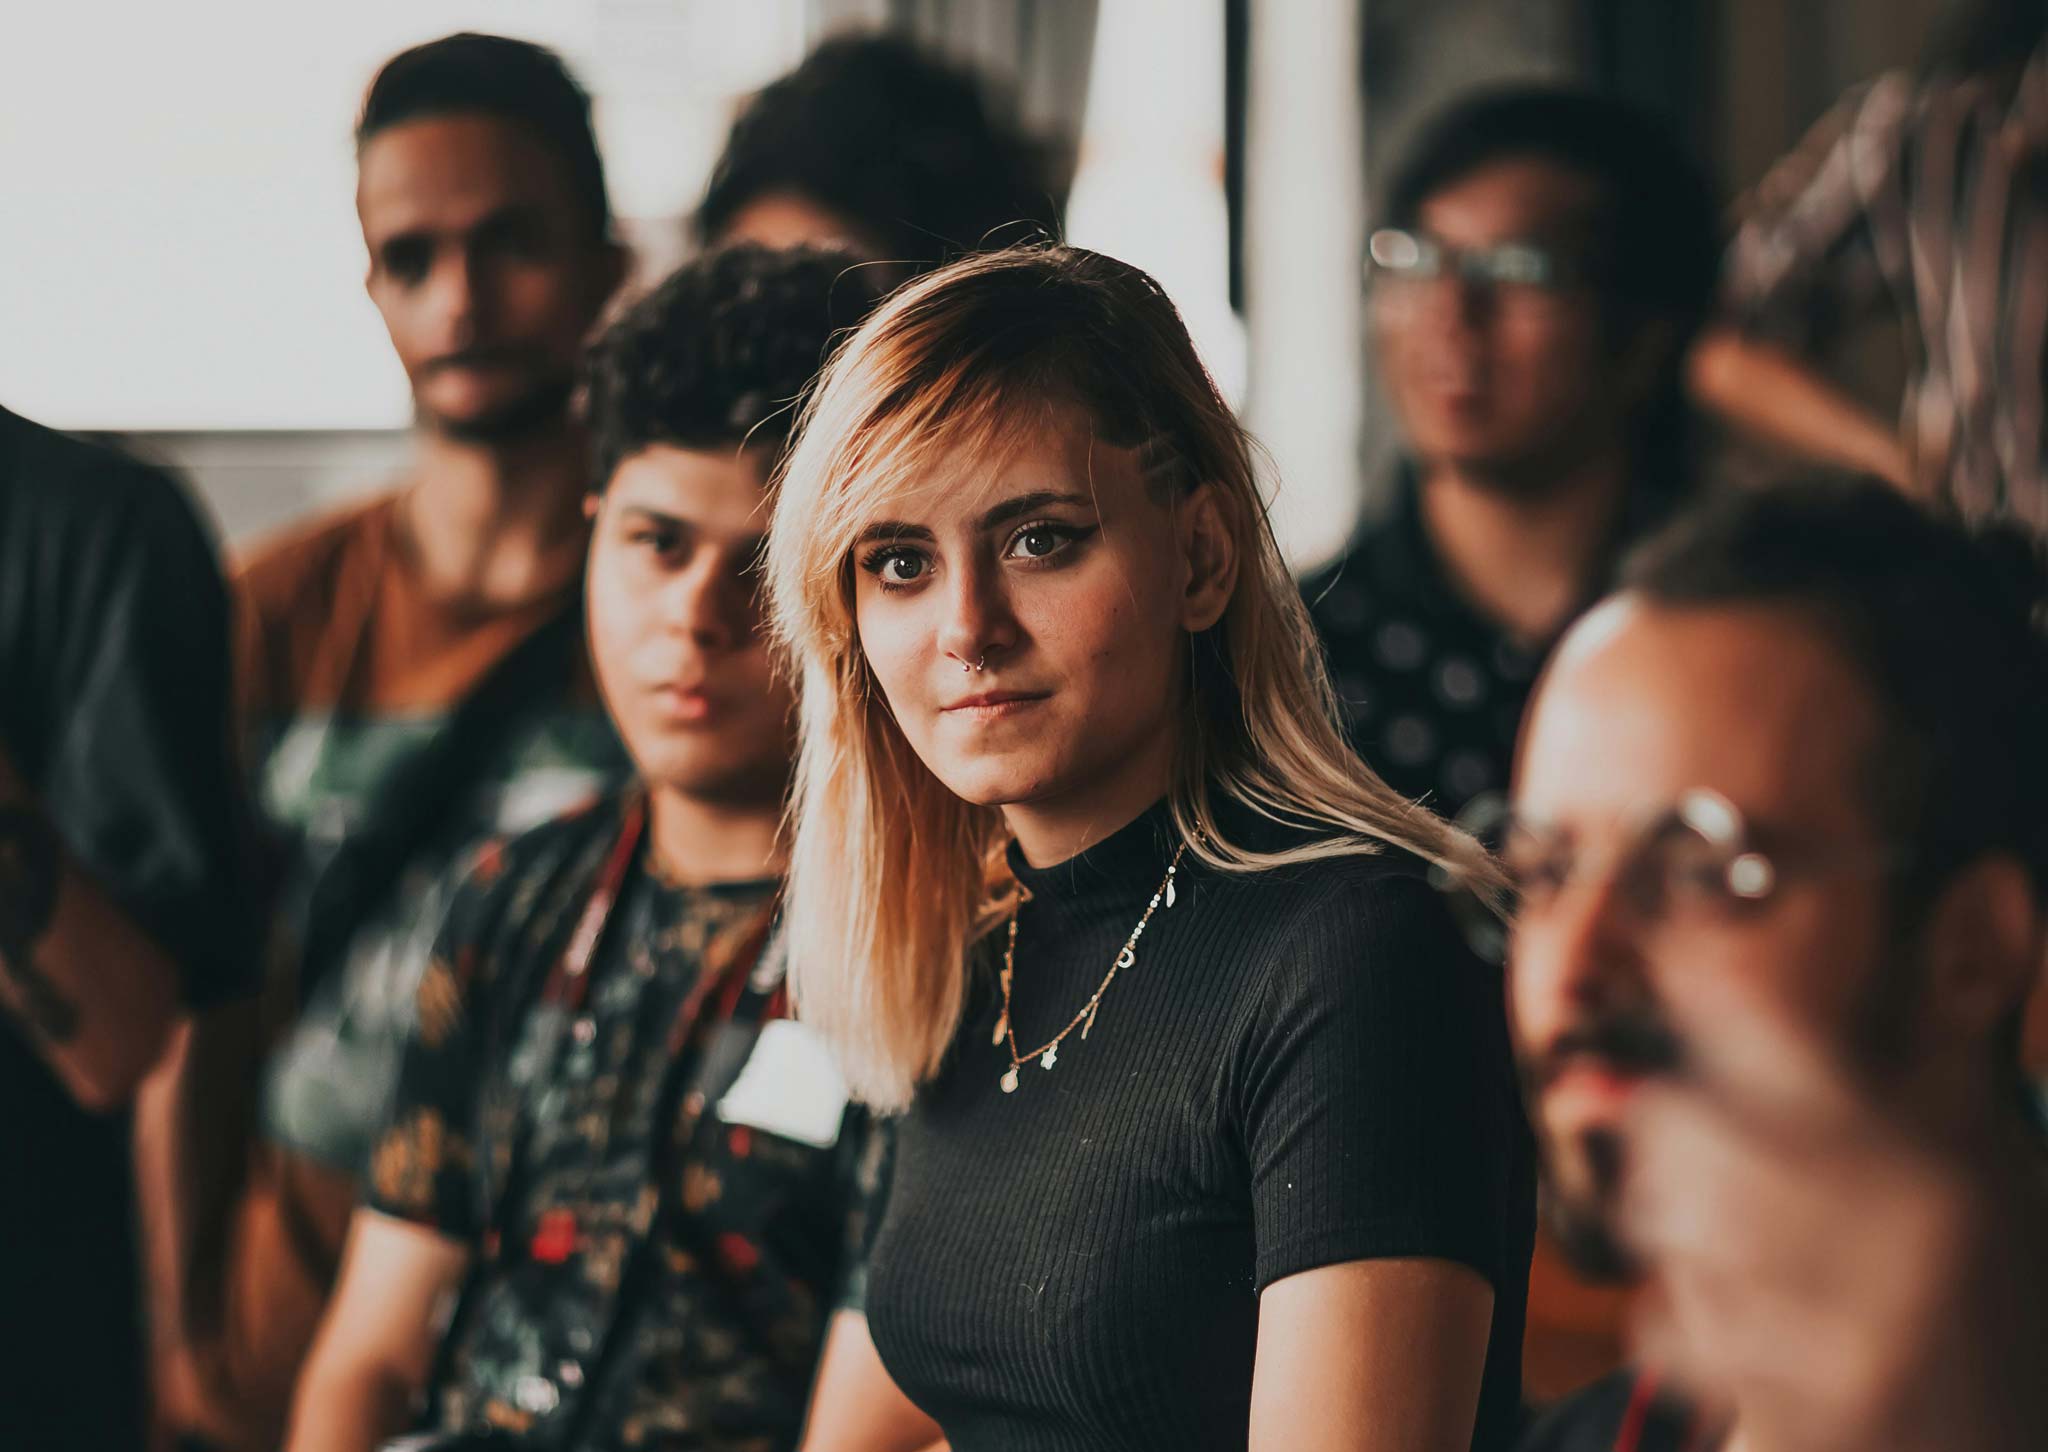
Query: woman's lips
(994,705)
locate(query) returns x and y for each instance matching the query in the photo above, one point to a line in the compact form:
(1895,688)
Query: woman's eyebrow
(890,529)
(1009,509)
(1024,504)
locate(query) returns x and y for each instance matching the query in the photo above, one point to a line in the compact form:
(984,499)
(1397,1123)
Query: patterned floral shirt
(665,1189)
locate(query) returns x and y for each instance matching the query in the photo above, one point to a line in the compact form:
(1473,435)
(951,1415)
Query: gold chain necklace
(1048,1053)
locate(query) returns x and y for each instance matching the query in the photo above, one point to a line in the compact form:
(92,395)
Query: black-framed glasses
(1697,859)
(1398,256)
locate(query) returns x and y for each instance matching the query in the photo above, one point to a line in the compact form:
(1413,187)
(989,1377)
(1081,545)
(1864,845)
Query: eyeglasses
(1394,255)
(1696,860)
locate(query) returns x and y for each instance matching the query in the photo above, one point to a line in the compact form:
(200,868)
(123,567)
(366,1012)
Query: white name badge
(790,1087)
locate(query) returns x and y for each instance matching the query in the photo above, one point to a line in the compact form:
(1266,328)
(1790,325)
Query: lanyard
(679,1104)
(565,992)
(1635,1420)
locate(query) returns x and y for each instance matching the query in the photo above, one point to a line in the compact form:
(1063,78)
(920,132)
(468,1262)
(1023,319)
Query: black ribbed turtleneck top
(1304,1066)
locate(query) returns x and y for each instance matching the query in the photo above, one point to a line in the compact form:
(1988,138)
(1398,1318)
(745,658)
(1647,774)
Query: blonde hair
(892,876)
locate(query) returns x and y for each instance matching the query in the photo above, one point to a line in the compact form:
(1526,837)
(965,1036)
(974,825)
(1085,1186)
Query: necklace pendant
(1009,1080)
(1049,1058)
(1002,1030)
(1129,956)
(1170,894)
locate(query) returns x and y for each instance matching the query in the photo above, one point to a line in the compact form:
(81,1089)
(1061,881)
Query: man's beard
(539,409)
(1578,1203)
(1581,1225)
(1578,1214)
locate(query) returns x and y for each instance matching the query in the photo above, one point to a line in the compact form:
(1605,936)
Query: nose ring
(978,661)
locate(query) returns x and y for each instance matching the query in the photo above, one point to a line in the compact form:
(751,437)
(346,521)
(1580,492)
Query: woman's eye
(1037,541)
(661,541)
(895,567)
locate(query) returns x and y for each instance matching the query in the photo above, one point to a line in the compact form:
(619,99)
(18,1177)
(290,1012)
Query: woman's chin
(996,784)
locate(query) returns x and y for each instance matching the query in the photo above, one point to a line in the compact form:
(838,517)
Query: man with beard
(413,679)
(1544,259)
(1779,849)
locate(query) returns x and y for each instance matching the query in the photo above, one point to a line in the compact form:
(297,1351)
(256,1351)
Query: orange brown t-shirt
(386,734)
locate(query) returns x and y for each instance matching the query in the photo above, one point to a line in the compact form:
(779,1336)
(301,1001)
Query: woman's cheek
(890,646)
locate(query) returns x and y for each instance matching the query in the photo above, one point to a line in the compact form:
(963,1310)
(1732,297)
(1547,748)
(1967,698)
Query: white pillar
(1304,237)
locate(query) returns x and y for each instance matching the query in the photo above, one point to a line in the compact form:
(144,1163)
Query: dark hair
(1946,627)
(1976,36)
(898,142)
(1659,221)
(1658,232)
(718,355)
(513,80)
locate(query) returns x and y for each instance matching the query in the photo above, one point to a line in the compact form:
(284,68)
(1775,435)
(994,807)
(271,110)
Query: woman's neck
(1052,829)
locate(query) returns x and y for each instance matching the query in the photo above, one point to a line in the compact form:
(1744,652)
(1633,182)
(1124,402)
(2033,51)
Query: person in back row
(123,899)
(638,1180)
(1780,852)
(1919,197)
(414,678)
(1544,259)
(875,145)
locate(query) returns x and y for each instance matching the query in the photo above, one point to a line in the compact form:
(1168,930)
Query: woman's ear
(1209,545)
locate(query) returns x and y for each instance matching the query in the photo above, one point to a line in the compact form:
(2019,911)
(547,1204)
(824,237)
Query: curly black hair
(718,355)
(904,145)
(514,80)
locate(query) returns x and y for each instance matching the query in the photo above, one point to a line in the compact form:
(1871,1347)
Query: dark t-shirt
(1302,1067)
(660,1175)
(114,707)
(1432,689)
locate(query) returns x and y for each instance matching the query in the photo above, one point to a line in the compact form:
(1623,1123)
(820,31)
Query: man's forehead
(720,490)
(1514,196)
(1643,702)
(452,172)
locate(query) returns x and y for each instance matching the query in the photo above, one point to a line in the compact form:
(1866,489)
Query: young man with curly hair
(635,1179)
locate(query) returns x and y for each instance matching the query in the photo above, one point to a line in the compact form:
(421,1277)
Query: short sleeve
(869,1148)
(425,1162)
(140,777)
(1378,1102)
(1821,236)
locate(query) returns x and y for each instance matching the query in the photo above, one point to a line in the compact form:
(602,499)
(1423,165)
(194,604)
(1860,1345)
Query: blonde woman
(1209,1132)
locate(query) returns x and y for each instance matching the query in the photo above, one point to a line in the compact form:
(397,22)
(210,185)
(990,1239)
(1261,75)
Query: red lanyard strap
(569,982)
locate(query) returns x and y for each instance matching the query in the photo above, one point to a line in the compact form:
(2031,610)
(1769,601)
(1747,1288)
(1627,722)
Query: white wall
(183,261)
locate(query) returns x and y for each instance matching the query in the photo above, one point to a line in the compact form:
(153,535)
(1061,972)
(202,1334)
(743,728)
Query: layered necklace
(1048,1053)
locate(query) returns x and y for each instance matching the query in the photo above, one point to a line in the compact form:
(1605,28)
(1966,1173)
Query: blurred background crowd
(1700,239)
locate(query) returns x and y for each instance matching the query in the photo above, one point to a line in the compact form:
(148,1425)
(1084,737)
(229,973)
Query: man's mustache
(1629,1044)
(480,357)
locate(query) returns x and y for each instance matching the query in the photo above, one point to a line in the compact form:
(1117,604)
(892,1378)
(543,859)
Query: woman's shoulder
(1357,927)
(1335,875)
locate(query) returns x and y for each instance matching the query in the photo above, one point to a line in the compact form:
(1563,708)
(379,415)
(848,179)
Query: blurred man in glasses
(1543,260)
(1779,864)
